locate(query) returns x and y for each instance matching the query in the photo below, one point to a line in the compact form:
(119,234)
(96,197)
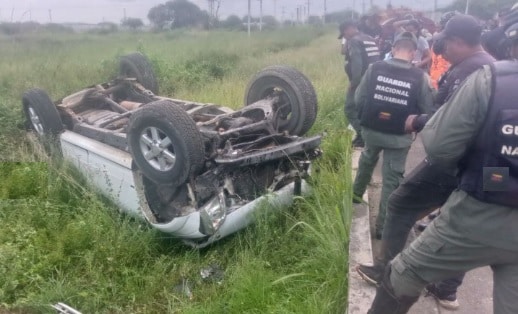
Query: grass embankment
(66,244)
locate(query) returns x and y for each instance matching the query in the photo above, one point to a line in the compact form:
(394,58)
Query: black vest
(490,172)
(393,94)
(370,52)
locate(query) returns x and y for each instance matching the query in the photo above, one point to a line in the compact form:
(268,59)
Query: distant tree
(232,22)
(58,28)
(105,28)
(340,16)
(19,27)
(484,9)
(132,23)
(252,19)
(214,6)
(314,20)
(160,16)
(177,14)
(288,23)
(270,22)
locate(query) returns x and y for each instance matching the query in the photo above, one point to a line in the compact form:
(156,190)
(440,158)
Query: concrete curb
(360,294)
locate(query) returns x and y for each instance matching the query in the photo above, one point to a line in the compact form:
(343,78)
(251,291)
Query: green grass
(70,245)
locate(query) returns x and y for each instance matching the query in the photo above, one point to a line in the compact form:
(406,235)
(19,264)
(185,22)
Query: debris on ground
(212,273)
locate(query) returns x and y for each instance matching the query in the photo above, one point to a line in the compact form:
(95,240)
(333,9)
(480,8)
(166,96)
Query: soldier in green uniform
(360,50)
(388,93)
(475,133)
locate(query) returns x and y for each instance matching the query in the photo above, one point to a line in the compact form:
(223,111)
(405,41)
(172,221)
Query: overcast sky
(95,11)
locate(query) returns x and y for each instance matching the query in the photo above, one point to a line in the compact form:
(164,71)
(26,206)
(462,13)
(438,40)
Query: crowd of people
(457,89)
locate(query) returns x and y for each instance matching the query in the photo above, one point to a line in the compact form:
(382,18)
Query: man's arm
(343,49)
(399,26)
(425,103)
(453,128)
(356,63)
(425,60)
(415,123)
(360,95)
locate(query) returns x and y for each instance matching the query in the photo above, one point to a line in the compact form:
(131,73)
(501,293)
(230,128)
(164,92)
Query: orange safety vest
(438,68)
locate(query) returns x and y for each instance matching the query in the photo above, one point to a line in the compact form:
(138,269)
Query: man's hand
(409,123)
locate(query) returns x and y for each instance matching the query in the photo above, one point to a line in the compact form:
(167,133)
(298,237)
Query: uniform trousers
(442,251)
(423,190)
(351,112)
(393,168)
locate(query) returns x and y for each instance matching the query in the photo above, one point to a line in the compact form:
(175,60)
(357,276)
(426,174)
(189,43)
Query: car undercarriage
(188,157)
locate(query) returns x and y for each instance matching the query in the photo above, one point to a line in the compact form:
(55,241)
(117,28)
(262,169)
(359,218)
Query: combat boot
(386,301)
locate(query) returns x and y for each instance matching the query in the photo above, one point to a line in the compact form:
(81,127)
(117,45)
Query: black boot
(373,274)
(386,301)
(358,141)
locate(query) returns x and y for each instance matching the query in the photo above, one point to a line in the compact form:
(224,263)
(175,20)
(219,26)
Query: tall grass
(72,246)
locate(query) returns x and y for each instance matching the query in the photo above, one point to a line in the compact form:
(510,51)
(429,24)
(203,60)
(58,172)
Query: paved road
(475,294)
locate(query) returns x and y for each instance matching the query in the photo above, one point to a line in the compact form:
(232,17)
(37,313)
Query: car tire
(138,66)
(41,114)
(297,91)
(165,143)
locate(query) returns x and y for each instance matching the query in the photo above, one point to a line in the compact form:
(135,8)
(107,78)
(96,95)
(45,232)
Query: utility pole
(260,15)
(275,8)
(434,10)
(325,12)
(249,17)
(50,15)
(211,8)
(12,14)
(308,9)
(363,7)
(124,14)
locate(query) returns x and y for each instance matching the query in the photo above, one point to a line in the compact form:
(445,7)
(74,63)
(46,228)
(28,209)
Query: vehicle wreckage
(196,171)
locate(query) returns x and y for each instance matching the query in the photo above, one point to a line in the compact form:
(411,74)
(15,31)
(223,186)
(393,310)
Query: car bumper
(188,227)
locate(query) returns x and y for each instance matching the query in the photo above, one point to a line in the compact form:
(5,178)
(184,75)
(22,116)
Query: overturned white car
(196,171)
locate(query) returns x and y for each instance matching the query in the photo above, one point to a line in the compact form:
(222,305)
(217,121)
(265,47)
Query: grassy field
(67,244)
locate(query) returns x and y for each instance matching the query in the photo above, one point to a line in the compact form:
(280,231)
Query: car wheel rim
(157,149)
(35,121)
(284,105)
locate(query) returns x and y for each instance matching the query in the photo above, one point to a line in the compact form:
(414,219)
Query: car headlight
(213,214)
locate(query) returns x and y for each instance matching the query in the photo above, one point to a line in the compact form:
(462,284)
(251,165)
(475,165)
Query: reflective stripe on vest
(370,52)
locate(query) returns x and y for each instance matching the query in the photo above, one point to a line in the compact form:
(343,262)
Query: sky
(95,11)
